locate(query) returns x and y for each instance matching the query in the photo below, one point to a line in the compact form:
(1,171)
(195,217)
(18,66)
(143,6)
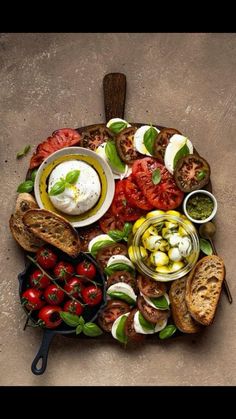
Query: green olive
(207,230)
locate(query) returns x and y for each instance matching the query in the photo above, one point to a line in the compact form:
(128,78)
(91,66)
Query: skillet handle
(114,89)
(42,354)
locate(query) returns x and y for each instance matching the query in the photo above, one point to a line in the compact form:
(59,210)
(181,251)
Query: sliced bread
(53,229)
(204,285)
(180,313)
(21,234)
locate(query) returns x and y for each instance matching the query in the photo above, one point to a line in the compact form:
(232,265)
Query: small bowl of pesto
(200,206)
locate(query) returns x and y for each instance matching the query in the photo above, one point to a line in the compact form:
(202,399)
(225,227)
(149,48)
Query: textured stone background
(187,81)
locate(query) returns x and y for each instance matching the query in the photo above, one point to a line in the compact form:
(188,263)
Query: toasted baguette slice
(180,313)
(204,285)
(21,234)
(53,229)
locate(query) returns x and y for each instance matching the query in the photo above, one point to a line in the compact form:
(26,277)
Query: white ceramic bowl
(202,191)
(82,154)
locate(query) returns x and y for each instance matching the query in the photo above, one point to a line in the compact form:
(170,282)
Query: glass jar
(137,245)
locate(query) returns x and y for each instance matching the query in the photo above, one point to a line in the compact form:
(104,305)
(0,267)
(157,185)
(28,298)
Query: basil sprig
(205,247)
(117,127)
(121,296)
(184,151)
(144,323)
(120,331)
(23,152)
(160,302)
(156,176)
(118,235)
(28,185)
(89,329)
(201,175)
(167,332)
(98,245)
(149,139)
(114,159)
(60,186)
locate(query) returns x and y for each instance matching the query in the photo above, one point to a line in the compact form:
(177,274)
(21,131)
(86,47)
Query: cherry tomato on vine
(54,295)
(63,270)
(92,295)
(73,307)
(31,299)
(74,286)
(46,258)
(49,316)
(38,280)
(86,268)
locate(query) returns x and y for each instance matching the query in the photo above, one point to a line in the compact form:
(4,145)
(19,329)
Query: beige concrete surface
(187,81)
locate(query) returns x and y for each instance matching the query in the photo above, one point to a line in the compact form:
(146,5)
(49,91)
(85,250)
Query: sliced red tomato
(135,196)
(110,222)
(164,195)
(120,205)
(64,137)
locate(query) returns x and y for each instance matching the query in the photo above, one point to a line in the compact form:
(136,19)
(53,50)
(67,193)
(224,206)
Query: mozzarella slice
(116,324)
(139,139)
(124,288)
(177,141)
(120,259)
(140,329)
(113,120)
(99,238)
(149,301)
(117,175)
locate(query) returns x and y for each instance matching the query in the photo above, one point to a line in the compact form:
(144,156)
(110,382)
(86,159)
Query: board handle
(42,354)
(114,89)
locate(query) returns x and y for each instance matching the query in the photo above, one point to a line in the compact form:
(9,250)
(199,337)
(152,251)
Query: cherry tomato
(120,206)
(92,295)
(73,307)
(53,295)
(39,280)
(164,195)
(46,258)
(74,286)
(63,271)
(31,299)
(135,196)
(111,222)
(49,316)
(86,268)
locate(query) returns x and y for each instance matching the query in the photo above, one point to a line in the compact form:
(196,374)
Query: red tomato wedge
(120,205)
(164,195)
(64,137)
(135,196)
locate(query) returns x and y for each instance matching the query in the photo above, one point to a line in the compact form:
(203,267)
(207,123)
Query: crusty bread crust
(182,318)
(203,289)
(53,229)
(21,234)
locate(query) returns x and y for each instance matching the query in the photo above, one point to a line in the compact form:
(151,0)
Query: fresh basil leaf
(160,302)
(201,175)
(167,332)
(70,319)
(116,235)
(144,323)
(120,331)
(156,176)
(205,247)
(127,229)
(79,329)
(184,151)
(118,267)
(98,245)
(114,159)
(117,127)
(26,186)
(23,152)
(72,176)
(122,296)
(33,174)
(58,188)
(149,139)
(81,320)
(92,330)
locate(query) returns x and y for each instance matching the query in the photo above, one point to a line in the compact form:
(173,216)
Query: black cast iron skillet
(90,313)
(114,89)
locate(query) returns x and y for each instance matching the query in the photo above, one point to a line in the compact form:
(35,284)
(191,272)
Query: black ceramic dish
(90,313)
